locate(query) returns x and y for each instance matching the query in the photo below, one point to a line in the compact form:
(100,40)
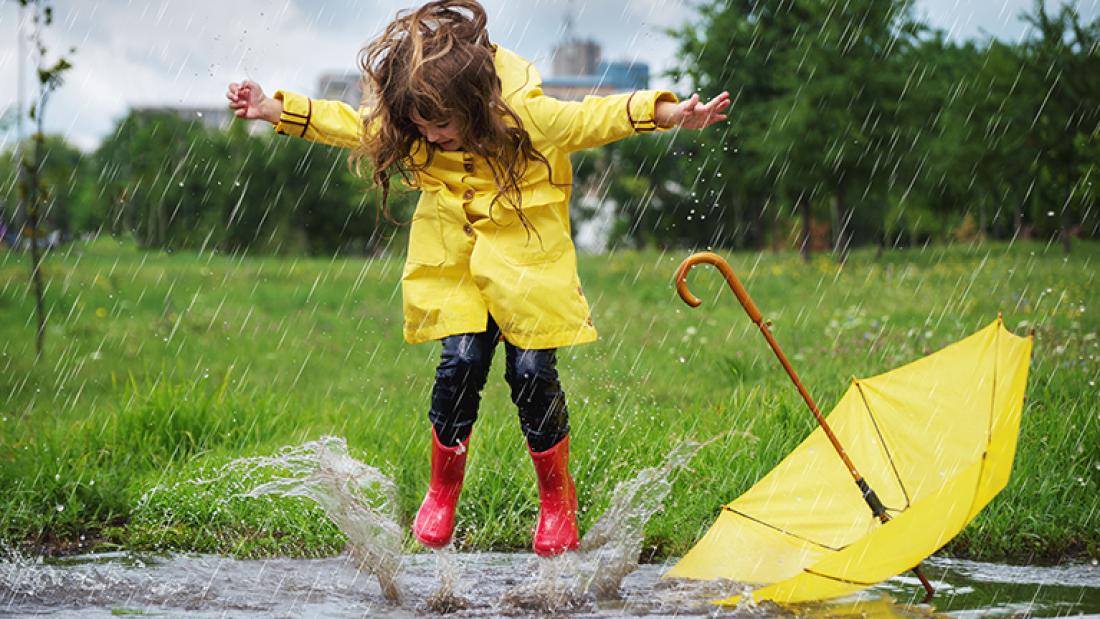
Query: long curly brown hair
(436,62)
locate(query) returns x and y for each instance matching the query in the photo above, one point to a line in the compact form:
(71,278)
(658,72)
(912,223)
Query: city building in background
(579,69)
(341,87)
(575,56)
(606,79)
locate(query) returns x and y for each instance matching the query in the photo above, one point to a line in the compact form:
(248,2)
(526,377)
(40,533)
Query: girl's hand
(248,101)
(690,114)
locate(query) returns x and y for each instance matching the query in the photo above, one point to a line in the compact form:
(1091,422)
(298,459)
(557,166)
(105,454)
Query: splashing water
(356,497)
(553,590)
(609,551)
(360,499)
(446,599)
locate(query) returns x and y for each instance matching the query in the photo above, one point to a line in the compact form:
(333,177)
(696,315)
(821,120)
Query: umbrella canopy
(935,439)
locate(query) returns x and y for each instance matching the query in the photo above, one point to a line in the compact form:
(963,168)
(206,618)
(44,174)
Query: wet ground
(486,584)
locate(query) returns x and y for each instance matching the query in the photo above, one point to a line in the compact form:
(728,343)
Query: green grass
(160,368)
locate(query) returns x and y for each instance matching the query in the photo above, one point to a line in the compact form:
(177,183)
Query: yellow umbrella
(927,444)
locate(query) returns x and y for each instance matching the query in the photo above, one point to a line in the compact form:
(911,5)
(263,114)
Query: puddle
(212,586)
(372,578)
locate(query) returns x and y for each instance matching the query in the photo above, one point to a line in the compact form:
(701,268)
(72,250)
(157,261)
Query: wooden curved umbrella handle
(727,271)
(754,313)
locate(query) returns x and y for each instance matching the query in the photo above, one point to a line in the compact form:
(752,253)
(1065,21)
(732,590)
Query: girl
(490,255)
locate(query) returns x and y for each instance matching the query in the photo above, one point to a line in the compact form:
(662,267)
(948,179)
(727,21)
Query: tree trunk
(162,226)
(31,210)
(844,232)
(804,210)
(1065,233)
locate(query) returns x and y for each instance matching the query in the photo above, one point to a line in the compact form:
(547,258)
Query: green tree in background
(1061,65)
(818,91)
(861,114)
(174,183)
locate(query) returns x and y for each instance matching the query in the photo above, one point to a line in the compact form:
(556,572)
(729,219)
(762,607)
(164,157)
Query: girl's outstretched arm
(598,120)
(317,120)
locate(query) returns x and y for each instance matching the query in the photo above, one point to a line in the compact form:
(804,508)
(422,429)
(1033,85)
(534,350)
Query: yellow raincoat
(462,264)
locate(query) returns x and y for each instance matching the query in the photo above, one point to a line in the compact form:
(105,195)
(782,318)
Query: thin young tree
(33,192)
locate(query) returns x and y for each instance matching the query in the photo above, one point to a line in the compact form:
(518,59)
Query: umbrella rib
(783,531)
(882,440)
(992,410)
(839,579)
(993,393)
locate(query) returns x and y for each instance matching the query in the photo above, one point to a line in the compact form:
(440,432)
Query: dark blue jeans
(532,375)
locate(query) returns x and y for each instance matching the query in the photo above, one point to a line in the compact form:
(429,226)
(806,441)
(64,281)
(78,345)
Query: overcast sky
(134,52)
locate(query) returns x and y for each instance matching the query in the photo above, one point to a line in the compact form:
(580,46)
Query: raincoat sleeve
(595,121)
(319,120)
(576,125)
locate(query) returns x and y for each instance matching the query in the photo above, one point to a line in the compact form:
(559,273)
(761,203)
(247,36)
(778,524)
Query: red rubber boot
(435,521)
(557,528)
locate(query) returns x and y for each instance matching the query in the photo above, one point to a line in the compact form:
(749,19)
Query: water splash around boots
(361,500)
(609,551)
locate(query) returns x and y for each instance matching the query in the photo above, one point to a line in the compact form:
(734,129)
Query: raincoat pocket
(544,239)
(426,245)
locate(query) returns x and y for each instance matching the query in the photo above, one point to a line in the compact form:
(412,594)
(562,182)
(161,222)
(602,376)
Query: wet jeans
(532,375)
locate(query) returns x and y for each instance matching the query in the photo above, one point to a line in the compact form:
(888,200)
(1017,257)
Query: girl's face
(446,136)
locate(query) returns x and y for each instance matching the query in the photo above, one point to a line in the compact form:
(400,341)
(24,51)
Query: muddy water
(373,578)
(211,586)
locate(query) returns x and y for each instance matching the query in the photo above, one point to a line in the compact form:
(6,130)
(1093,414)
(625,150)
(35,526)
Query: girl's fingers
(690,105)
(718,102)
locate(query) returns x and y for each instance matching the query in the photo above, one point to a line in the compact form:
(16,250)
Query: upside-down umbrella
(927,445)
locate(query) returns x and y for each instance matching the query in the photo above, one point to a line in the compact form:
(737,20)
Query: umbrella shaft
(810,403)
(877,508)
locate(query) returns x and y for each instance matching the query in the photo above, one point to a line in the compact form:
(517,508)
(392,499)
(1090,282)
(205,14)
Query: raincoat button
(468,195)
(468,229)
